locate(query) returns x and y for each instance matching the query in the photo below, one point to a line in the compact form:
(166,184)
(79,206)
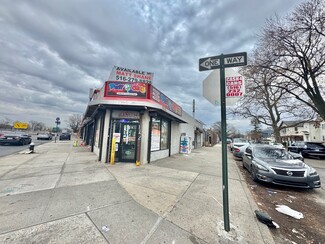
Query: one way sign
(209,63)
(228,60)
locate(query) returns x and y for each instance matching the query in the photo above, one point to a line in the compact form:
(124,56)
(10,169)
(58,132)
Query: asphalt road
(7,150)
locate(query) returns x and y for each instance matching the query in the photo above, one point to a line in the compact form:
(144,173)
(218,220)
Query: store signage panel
(127,89)
(122,114)
(130,75)
(166,102)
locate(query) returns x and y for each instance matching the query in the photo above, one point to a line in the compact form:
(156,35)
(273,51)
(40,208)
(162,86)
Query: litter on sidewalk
(266,219)
(105,228)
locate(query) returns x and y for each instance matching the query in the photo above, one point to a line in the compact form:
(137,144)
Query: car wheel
(253,173)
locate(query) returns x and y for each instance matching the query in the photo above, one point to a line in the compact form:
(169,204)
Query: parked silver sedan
(275,165)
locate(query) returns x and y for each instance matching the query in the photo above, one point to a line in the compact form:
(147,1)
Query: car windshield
(268,152)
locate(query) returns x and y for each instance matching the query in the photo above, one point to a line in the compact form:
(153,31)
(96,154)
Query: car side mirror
(249,155)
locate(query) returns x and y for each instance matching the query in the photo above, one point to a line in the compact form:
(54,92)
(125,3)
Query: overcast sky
(53,52)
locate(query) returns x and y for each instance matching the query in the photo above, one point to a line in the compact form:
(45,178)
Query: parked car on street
(308,149)
(44,136)
(15,139)
(238,142)
(276,165)
(65,136)
(238,151)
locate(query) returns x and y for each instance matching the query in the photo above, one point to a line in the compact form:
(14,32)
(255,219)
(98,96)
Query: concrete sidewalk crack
(56,184)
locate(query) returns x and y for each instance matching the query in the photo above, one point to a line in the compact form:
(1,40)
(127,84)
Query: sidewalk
(62,194)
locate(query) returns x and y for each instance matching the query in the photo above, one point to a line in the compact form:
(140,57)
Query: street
(7,150)
(309,202)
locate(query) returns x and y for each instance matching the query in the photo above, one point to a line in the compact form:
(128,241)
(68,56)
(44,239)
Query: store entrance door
(126,141)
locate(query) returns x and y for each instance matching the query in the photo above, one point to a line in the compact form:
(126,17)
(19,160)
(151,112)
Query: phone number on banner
(131,79)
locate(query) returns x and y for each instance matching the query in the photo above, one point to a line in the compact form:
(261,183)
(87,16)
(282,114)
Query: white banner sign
(130,75)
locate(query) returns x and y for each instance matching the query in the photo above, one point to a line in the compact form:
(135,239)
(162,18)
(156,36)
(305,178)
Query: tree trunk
(276,131)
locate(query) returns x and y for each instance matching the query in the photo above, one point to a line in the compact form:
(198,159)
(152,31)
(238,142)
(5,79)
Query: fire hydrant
(31,147)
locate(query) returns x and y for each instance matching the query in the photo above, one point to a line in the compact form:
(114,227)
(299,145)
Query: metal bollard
(31,147)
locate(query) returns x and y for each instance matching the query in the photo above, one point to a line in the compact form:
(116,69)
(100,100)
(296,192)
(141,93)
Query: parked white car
(238,147)
(44,136)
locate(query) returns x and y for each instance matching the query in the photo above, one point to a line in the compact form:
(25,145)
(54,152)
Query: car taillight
(237,150)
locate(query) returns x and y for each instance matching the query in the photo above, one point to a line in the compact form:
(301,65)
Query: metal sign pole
(221,62)
(224,145)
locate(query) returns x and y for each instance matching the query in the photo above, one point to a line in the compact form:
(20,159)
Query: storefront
(135,122)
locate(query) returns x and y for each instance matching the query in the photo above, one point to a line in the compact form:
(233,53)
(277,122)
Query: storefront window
(164,135)
(159,134)
(155,134)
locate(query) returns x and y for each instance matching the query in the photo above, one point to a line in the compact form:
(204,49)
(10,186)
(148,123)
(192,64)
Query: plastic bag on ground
(288,211)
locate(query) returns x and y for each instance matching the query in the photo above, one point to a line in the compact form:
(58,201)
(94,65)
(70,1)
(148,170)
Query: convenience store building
(127,121)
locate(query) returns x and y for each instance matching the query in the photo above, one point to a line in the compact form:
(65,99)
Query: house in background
(313,131)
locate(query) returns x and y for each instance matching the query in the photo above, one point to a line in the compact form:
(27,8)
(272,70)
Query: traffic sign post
(221,62)
(57,121)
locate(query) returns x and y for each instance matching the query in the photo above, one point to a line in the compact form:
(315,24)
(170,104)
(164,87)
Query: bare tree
(6,124)
(36,125)
(74,121)
(231,130)
(266,104)
(293,47)
(256,133)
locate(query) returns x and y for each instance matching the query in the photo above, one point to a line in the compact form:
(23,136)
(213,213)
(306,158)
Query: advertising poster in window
(155,136)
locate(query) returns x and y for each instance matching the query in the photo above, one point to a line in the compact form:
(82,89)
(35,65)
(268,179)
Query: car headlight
(312,171)
(261,167)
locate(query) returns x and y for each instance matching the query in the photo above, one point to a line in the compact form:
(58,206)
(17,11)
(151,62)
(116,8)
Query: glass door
(128,146)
